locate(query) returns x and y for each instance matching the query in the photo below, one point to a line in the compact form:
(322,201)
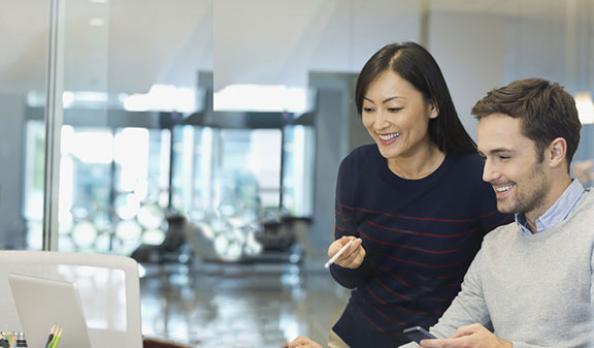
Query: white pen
(337,255)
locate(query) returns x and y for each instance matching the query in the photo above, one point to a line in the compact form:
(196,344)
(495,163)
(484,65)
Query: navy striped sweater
(419,235)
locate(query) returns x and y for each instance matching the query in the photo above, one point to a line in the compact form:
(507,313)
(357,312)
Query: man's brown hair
(546,111)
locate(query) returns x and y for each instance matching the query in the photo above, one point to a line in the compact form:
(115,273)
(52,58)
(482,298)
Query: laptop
(41,303)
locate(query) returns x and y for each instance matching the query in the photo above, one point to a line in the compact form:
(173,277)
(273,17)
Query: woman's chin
(387,152)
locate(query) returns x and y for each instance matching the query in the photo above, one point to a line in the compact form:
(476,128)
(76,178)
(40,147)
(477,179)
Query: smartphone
(417,333)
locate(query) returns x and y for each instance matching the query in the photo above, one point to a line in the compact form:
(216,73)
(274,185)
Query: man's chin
(505,208)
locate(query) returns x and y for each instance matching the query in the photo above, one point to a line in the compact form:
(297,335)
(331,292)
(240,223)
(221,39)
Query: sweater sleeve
(526,345)
(346,225)
(468,307)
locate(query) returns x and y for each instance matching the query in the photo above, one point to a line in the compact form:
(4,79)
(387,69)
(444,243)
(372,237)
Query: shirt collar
(558,212)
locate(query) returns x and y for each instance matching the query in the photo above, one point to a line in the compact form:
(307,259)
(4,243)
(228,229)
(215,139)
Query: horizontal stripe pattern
(419,237)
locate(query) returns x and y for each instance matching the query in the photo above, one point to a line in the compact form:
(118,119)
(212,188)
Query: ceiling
(125,46)
(115,46)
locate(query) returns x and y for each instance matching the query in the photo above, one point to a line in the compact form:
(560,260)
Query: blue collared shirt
(558,211)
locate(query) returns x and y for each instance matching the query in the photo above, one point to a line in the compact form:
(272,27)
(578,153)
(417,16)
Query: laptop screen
(42,303)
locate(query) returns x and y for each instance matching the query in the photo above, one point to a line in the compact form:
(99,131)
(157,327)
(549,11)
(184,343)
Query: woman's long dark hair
(416,65)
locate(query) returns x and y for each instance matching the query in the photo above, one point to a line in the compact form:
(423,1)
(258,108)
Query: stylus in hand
(340,252)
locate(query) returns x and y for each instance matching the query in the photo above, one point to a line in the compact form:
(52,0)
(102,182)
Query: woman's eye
(368,109)
(394,109)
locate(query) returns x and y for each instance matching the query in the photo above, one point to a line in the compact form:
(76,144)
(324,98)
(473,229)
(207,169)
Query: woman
(413,202)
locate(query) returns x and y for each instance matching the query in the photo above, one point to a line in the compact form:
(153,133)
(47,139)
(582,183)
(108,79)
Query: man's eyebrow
(496,151)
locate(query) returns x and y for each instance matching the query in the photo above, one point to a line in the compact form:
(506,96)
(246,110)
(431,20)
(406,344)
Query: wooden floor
(239,305)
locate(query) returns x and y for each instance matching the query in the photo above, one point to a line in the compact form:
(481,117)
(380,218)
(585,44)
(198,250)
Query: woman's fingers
(352,257)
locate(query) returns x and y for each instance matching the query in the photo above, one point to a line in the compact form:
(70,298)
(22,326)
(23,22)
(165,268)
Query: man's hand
(302,342)
(470,336)
(352,257)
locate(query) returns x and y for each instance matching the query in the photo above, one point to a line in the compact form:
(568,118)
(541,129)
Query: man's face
(521,182)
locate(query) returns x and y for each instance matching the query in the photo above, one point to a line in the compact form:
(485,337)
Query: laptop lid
(41,303)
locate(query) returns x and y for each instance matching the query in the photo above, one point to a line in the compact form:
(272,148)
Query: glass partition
(23,71)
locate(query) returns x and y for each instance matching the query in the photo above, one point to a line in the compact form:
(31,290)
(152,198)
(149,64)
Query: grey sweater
(533,290)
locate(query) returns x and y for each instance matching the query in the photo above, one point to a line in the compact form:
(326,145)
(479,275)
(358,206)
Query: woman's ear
(433,110)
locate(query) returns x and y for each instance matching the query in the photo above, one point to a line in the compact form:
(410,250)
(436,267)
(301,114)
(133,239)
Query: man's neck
(557,188)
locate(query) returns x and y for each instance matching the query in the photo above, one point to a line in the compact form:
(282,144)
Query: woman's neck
(419,164)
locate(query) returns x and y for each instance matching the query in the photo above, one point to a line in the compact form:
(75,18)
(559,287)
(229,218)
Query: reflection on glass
(153,237)
(150,216)
(33,182)
(106,310)
(128,230)
(111,188)
(84,234)
(299,155)
(249,169)
(127,206)
(225,180)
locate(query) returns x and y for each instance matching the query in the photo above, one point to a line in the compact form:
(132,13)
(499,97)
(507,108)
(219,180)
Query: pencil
(337,255)
(51,336)
(11,339)
(57,336)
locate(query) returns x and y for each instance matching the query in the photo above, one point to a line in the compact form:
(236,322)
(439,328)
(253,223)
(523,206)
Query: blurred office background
(204,136)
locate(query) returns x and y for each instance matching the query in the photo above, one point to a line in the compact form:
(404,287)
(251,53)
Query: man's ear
(557,152)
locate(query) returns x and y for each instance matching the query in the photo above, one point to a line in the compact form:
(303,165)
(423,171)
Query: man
(531,282)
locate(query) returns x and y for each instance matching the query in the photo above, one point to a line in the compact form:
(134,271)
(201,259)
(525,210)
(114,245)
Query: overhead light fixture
(263,98)
(99,1)
(585,107)
(87,99)
(161,98)
(96,22)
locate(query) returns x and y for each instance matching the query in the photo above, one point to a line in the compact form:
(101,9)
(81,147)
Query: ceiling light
(162,98)
(96,22)
(88,99)
(263,98)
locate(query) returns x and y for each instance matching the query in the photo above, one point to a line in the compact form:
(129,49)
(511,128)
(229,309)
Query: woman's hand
(352,257)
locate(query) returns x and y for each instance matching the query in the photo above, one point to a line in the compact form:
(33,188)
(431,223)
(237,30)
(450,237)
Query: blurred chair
(108,286)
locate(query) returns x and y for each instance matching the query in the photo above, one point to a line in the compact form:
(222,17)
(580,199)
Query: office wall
(280,41)
(481,51)
(472,60)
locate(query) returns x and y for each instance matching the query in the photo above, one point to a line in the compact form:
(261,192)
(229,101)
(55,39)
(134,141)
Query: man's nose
(490,172)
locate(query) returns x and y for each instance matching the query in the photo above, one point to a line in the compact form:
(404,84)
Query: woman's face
(397,116)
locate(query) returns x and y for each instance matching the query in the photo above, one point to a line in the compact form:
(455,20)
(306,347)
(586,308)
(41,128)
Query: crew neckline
(387,174)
